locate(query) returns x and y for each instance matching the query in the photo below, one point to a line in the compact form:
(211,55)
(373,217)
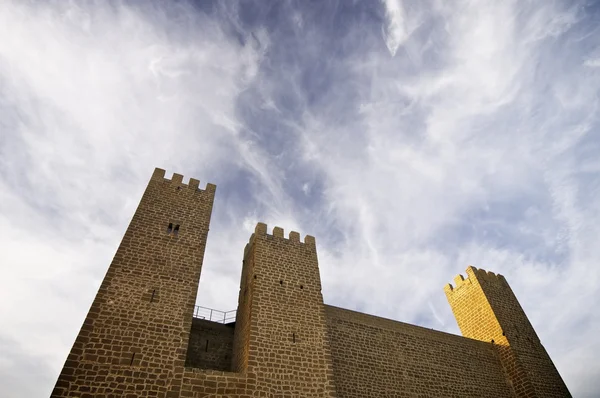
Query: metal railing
(214,315)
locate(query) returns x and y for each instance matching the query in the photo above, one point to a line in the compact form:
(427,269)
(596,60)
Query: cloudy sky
(411,138)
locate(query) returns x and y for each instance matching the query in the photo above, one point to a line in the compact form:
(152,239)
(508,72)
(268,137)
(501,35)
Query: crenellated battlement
(261,230)
(177,181)
(143,330)
(474,274)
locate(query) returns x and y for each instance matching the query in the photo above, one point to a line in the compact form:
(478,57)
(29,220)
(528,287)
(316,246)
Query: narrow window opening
(153,293)
(294,337)
(170,228)
(206,347)
(492,341)
(176,230)
(281,282)
(254,276)
(132,357)
(301,287)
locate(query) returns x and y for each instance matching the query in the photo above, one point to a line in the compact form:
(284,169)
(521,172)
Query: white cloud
(593,63)
(398,26)
(474,145)
(92,99)
(485,127)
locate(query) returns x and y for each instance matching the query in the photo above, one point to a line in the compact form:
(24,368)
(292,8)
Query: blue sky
(412,139)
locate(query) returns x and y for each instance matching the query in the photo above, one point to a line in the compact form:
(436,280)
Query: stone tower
(280,331)
(134,339)
(486,309)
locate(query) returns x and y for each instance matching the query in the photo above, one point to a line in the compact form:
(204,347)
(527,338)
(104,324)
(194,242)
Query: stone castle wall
(373,356)
(139,339)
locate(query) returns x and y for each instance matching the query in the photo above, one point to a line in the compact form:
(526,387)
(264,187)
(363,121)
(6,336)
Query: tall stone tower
(134,339)
(486,309)
(280,331)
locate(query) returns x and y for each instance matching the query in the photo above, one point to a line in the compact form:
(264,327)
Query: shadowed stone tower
(281,317)
(134,339)
(142,337)
(486,309)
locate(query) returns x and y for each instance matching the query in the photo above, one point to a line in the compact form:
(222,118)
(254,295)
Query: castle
(141,339)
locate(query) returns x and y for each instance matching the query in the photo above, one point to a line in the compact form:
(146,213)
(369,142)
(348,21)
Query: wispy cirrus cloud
(467,134)
(401,22)
(465,149)
(92,98)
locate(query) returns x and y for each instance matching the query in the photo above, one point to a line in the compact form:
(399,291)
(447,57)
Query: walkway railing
(214,315)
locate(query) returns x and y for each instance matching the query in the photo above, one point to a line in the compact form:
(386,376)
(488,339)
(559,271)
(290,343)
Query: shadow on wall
(210,345)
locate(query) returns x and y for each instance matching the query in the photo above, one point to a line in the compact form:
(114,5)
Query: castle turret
(134,339)
(280,331)
(486,309)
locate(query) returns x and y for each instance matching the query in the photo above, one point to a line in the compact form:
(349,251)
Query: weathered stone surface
(139,339)
(486,309)
(373,356)
(210,345)
(135,336)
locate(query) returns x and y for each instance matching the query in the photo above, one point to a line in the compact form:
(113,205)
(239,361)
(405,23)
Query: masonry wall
(210,345)
(377,357)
